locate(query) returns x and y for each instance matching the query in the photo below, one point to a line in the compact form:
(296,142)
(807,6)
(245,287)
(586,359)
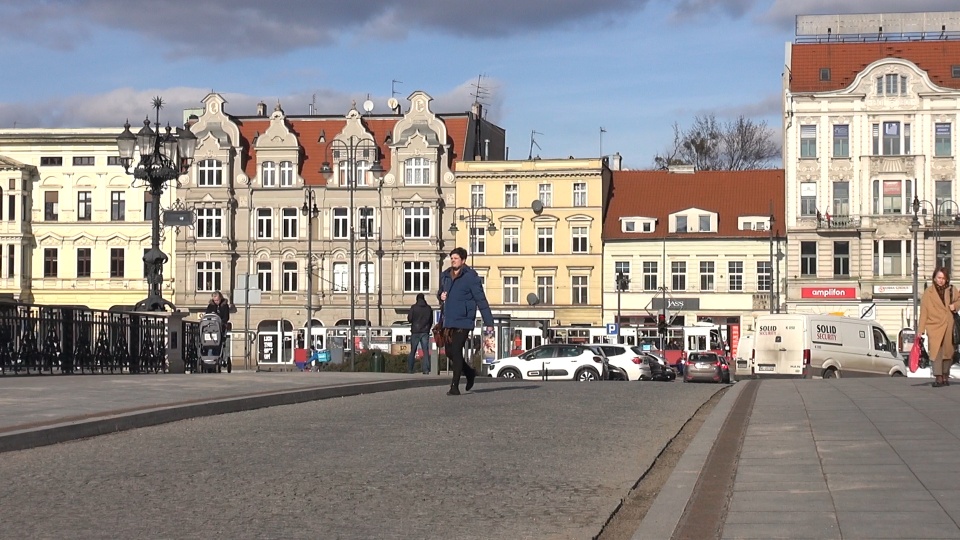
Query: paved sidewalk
(852,458)
(39,410)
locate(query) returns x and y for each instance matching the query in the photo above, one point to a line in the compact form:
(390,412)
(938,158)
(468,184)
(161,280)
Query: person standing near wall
(462,295)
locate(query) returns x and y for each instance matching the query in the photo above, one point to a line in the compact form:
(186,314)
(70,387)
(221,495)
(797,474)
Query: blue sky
(564,68)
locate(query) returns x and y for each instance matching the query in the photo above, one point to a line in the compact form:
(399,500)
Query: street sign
(868,312)
(178,218)
(613,329)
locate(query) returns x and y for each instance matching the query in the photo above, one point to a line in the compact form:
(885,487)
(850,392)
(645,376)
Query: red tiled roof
(657,194)
(846,60)
(313,153)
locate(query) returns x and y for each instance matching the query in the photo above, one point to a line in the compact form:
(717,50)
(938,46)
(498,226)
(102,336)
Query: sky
(555,72)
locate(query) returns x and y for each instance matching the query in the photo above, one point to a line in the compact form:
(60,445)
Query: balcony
(830,222)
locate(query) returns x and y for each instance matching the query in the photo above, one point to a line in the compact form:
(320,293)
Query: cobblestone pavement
(510,460)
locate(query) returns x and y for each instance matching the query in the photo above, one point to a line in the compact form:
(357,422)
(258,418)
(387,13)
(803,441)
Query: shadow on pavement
(485,390)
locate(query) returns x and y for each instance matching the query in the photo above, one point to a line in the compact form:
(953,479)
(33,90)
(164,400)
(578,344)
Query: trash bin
(377,361)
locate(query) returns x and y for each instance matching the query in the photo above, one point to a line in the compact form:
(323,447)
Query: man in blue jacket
(462,295)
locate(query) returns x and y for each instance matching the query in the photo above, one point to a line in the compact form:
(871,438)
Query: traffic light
(662,324)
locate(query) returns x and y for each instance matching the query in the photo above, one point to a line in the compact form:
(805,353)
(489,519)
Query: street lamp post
(623,283)
(915,228)
(163,158)
(772,298)
(472,216)
(310,210)
(353,155)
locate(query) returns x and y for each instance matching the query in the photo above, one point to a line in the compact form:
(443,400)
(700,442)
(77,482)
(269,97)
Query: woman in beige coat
(936,319)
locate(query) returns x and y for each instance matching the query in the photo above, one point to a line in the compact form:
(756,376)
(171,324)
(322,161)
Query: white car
(552,362)
(628,361)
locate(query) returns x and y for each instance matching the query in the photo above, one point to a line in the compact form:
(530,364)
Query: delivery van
(827,346)
(744,355)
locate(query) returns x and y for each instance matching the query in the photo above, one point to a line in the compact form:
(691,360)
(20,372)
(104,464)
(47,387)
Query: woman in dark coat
(219,305)
(937,307)
(462,295)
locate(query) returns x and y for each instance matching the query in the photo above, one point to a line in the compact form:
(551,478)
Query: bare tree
(710,145)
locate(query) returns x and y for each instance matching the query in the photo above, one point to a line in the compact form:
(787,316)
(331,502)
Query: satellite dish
(393,104)
(368,105)
(537,207)
(533,299)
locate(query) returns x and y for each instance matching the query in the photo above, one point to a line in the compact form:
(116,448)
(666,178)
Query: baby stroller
(213,357)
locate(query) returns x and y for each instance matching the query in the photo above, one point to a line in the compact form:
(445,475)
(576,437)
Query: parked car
(624,360)
(709,367)
(553,362)
(660,370)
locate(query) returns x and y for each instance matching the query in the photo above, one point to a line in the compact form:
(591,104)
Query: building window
(417,171)
(841,199)
(84,258)
(117,262)
(11,259)
(511,290)
(943,192)
(478,240)
(511,240)
(650,275)
(360,170)
(265,276)
(707,282)
(148,205)
(808,141)
(580,239)
(51,205)
(888,196)
(580,194)
(629,226)
(888,257)
(49,262)
(416,277)
(290,223)
(146,267)
(735,275)
(341,277)
(82,161)
(678,271)
(892,85)
(955,72)
(544,239)
(942,140)
(579,285)
(824,74)
(113,160)
(12,207)
(290,275)
(365,216)
(264,223)
(268,174)
(476,196)
(808,198)
(118,206)
(209,223)
(545,194)
(681,222)
(841,141)
(545,289)
(808,258)
(620,267)
(891,138)
(368,281)
(51,161)
(209,173)
(416,222)
(704,223)
(841,259)
(764,276)
(286,174)
(511,196)
(208,276)
(341,223)
(945,254)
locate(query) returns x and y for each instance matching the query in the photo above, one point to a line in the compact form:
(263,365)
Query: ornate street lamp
(915,228)
(163,158)
(310,211)
(472,216)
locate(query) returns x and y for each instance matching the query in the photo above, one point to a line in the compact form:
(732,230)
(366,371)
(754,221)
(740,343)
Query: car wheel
(508,373)
(897,374)
(587,374)
(831,373)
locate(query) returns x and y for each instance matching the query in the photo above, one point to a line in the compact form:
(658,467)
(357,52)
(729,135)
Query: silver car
(706,367)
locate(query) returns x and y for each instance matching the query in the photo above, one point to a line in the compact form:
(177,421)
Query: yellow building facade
(542,259)
(82,224)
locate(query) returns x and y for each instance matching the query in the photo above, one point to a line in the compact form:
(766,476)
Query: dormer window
(705,223)
(637,225)
(648,226)
(892,85)
(824,74)
(629,226)
(681,224)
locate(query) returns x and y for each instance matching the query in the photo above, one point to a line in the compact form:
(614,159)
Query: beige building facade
(543,260)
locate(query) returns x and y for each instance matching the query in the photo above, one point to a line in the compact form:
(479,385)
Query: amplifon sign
(829,293)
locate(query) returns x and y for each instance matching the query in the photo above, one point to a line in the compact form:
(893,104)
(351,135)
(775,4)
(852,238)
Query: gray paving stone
(766,501)
(920,525)
(883,500)
(792,525)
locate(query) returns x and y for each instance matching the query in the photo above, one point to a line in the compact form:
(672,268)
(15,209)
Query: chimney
(486,149)
(681,169)
(261,109)
(477,109)
(616,162)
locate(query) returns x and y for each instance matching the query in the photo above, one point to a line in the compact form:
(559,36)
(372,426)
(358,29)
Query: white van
(828,346)
(744,354)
